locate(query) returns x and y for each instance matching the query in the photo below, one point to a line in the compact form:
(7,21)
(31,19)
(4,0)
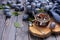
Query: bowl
(42,19)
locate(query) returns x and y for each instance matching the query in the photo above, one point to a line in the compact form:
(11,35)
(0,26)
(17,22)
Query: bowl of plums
(42,19)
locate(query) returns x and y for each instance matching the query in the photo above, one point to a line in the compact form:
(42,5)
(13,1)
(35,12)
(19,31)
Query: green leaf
(1,7)
(41,10)
(17,25)
(30,19)
(15,13)
(9,4)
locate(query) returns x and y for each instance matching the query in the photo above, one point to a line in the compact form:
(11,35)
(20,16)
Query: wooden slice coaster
(40,31)
(57,27)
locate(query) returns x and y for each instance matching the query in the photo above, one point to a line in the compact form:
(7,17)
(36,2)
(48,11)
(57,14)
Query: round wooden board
(57,27)
(40,31)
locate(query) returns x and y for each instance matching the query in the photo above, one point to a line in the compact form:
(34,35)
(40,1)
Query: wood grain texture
(2,23)
(51,38)
(9,30)
(22,32)
(58,37)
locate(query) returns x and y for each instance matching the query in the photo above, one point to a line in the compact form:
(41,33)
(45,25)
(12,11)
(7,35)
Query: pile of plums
(38,4)
(17,6)
(11,5)
(33,7)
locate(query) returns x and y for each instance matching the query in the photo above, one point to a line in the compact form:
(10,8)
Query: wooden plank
(2,25)
(1,12)
(31,37)
(58,37)
(10,30)
(22,32)
(52,37)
